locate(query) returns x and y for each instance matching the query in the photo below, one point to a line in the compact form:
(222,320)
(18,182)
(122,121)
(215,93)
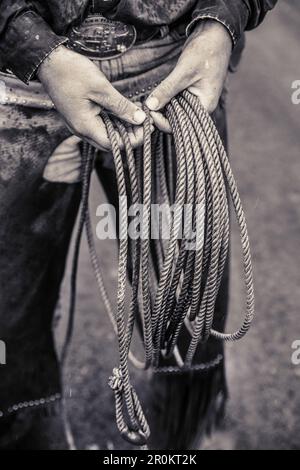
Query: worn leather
(38,214)
(30,30)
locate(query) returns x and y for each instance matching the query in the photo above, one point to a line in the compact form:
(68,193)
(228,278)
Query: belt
(101,38)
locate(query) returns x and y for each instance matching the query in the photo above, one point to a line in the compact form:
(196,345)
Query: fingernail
(139,116)
(152,103)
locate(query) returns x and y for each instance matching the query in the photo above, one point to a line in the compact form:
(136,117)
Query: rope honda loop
(188,170)
(140,433)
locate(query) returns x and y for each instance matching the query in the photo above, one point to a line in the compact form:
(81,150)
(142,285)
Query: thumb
(113,101)
(164,93)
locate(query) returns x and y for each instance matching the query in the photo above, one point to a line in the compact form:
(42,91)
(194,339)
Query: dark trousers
(37,220)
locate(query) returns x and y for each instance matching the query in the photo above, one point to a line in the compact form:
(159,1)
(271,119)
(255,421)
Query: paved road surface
(264,409)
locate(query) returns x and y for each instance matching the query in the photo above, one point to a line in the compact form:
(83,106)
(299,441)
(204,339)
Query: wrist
(212,26)
(55,60)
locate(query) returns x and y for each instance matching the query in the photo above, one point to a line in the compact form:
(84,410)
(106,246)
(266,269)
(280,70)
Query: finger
(208,96)
(117,104)
(161,122)
(168,89)
(96,134)
(136,135)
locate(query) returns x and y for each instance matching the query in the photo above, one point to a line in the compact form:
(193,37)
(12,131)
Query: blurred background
(264,128)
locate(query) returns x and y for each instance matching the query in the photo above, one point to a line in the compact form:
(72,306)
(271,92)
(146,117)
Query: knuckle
(191,75)
(167,87)
(79,128)
(76,126)
(212,103)
(122,106)
(212,106)
(101,85)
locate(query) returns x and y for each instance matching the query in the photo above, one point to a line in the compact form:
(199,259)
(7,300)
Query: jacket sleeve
(236,15)
(25,38)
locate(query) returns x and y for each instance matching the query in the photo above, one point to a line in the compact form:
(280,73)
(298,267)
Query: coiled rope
(185,289)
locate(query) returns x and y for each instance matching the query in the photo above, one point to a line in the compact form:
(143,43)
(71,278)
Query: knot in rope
(116,380)
(190,168)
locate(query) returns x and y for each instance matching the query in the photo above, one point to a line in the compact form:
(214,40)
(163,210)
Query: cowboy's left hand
(201,69)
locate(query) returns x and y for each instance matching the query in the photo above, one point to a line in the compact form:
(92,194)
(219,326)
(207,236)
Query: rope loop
(175,281)
(138,432)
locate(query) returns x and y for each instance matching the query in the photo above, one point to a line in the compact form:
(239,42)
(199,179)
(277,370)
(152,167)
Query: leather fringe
(187,407)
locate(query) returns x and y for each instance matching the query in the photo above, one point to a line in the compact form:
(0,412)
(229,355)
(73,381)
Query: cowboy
(61,62)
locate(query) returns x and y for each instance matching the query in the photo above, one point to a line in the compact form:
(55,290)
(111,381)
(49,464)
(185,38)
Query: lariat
(188,170)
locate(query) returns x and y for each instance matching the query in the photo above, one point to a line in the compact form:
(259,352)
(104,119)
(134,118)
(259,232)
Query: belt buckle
(102,39)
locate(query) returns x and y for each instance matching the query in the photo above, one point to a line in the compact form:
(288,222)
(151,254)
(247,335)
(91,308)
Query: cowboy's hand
(201,69)
(79,90)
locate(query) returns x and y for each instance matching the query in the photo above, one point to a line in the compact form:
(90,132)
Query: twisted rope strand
(188,168)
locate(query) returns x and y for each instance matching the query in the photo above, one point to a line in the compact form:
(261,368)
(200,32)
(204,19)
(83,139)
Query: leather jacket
(31,29)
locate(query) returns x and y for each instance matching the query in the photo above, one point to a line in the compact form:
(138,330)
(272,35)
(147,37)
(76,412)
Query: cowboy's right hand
(79,90)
